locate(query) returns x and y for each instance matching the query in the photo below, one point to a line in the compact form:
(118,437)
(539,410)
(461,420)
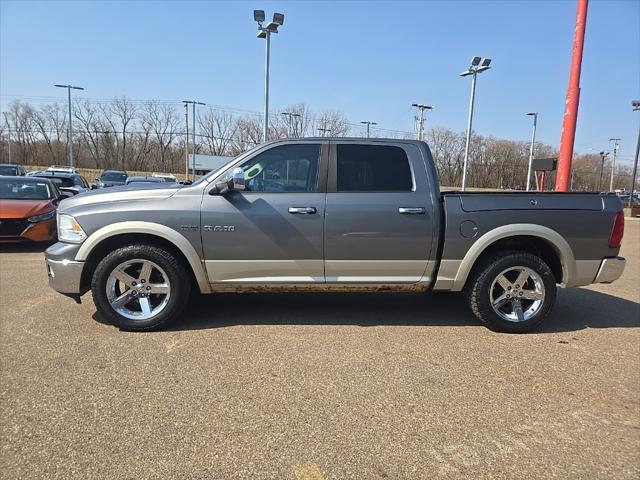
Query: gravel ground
(310,386)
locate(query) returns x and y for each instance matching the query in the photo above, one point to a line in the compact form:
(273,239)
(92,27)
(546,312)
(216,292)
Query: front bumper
(610,270)
(65,275)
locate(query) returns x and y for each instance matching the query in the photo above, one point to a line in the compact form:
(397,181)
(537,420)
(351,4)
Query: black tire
(481,282)
(173,267)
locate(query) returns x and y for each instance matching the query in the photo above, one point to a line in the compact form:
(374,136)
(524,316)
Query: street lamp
(368,124)
(478,65)
(265,32)
(616,147)
(193,160)
(422,107)
(70,129)
(603,155)
(635,104)
(291,116)
(531,150)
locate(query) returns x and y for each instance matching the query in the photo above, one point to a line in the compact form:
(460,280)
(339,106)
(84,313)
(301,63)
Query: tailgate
(523,201)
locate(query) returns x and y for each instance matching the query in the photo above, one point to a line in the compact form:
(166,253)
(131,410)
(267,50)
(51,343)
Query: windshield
(113,177)
(25,189)
(8,170)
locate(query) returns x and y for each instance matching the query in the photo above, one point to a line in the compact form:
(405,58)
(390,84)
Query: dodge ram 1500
(331,214)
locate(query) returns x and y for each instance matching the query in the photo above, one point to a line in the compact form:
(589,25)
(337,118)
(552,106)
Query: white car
(60,169)
(168,177)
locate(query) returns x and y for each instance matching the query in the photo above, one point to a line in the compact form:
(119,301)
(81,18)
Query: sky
(368,59)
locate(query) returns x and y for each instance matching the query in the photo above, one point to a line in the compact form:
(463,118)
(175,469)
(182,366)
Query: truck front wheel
(511,291)
(140,287)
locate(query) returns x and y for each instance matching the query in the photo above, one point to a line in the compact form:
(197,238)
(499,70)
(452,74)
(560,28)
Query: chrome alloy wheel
(517,294)
(138,289)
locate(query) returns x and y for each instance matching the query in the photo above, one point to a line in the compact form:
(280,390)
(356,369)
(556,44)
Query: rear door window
(372,168)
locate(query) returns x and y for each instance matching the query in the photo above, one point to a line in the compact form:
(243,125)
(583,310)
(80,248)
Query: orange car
(28,209)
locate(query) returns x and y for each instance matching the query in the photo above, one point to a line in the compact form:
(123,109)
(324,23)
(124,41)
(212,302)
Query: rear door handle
(411,211)
(302,210)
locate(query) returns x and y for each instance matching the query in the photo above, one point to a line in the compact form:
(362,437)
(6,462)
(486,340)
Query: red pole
(570,116)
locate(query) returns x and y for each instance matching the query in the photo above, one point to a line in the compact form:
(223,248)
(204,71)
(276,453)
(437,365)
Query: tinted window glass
(373,168)
(60,181)
(9,170)
(287,168)
(113,177)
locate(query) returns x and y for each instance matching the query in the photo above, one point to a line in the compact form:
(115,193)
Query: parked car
(70,182)
(11,169)
(635,204)
(111,178)
(167,177)
(143,181)
(28,209)
(332,215)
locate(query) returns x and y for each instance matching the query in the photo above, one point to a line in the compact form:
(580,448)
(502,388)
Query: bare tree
(50,123)
(248,134)
(333,122)
(218,131)
(119,115)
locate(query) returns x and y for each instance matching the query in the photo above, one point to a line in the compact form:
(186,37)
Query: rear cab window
(372,168)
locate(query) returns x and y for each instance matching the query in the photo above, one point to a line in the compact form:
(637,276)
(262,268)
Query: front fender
(150,228)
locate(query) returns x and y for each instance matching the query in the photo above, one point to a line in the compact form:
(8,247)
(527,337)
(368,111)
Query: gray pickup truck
(331,214)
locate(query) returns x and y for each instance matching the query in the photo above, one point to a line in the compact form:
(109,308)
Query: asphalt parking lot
(310,386)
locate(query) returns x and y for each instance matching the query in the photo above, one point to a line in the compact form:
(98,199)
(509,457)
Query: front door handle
(411,210)
(302,210)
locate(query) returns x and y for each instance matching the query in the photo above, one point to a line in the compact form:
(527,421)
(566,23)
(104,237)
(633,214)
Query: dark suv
(111,178)
(11,169)
(70,182)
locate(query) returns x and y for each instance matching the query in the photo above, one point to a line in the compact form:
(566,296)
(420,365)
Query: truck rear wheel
(140,287)
(511,292)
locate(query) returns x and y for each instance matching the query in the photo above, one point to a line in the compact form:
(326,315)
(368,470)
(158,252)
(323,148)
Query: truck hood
(119,194)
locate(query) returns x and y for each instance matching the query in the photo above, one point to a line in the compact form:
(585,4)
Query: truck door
(272,231)
(378,219)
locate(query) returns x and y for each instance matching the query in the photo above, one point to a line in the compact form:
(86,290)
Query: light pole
(6,120)
(478,65)
(186,141)
(265,32)
(291,116)
(531,150)
(368,124)
(70,129)
(603,156)
(422,107)
(193,103)
(636,107)
(616,146)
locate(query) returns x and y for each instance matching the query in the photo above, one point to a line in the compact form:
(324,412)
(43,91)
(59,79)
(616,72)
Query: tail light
(617,231)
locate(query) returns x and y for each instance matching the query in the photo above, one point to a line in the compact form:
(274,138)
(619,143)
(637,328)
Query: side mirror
(233,182)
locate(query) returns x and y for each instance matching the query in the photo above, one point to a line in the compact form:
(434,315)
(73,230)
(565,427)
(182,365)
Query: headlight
(43,217)
(69,230)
